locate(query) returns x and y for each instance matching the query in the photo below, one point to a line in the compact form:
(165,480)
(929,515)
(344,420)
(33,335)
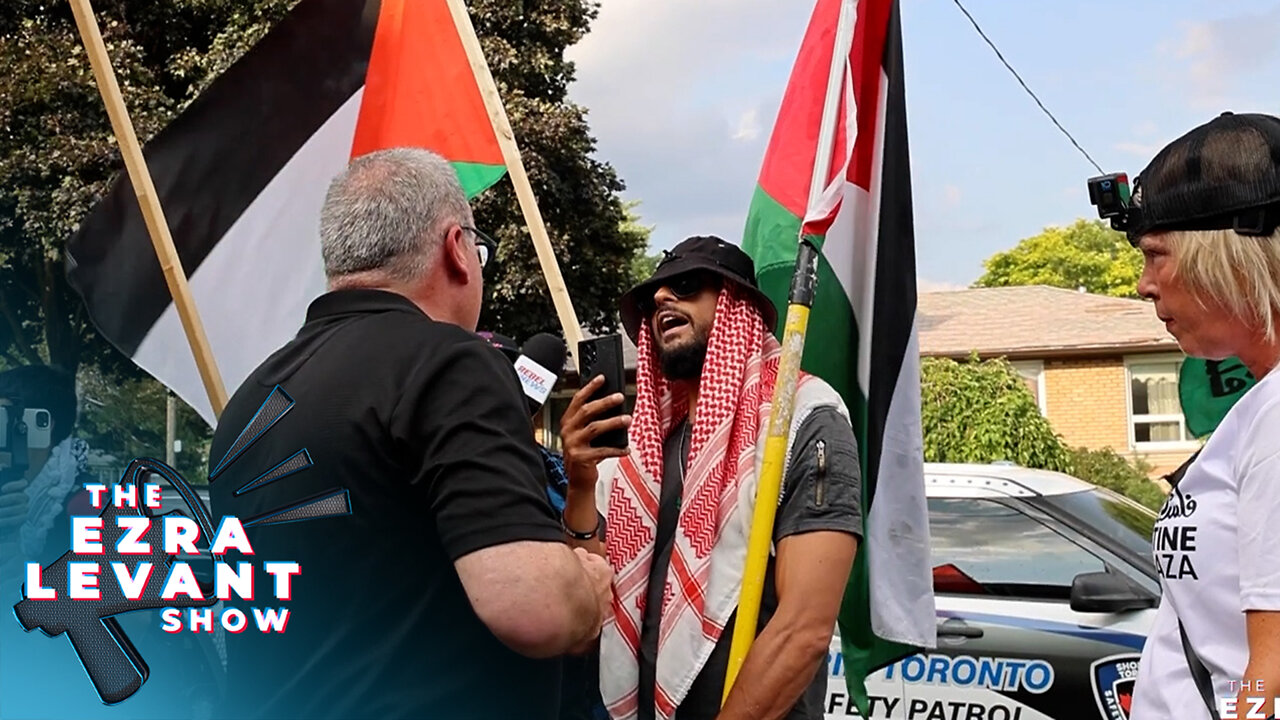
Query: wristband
(579,535)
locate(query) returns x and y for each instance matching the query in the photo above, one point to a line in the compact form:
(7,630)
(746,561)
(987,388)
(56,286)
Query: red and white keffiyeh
(705,576)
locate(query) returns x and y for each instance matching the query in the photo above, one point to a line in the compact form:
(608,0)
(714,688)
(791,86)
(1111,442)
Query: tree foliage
(1107,468)
(1086,254)
(982,412)
(593,235)
(58,155)
(127,420)
(643,263)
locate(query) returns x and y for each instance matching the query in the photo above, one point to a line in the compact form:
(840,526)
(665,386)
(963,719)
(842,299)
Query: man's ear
(456,253)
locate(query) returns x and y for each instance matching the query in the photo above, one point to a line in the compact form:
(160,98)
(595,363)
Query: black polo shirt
(424,425)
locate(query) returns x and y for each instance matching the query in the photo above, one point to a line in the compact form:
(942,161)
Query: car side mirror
(1104,592)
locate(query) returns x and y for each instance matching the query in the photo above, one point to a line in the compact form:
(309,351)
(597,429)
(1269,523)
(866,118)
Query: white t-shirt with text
(1216,549)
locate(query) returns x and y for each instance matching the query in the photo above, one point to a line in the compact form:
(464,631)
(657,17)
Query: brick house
(1104,370)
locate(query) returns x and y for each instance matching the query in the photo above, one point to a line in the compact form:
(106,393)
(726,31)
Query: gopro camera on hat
(1110,194)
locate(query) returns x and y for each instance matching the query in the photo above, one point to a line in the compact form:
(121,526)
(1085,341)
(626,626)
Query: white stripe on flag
(271,256)
(898,557)
(897,543)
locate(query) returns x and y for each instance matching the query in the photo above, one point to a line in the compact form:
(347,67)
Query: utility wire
(1024,86)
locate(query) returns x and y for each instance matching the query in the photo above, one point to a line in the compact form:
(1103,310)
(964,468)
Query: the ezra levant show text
(123,555)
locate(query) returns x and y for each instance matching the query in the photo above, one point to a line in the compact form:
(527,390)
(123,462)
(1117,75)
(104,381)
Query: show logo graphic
(1113,680)
(1255,705)
(127,559)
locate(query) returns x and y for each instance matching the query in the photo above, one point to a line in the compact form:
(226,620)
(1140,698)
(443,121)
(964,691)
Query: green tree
(1107,468)
(126,419)
(58,155)
(643,263)
(524,43)
(982,412)
(1086,254)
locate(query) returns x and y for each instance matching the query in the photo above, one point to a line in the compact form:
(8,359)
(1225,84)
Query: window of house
(983,547)
(1155,412)
(1032,372)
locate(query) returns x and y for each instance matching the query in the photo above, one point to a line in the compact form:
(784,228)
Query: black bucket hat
(700,253)
(1224,174)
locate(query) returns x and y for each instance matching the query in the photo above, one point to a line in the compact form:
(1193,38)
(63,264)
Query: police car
(1045,591)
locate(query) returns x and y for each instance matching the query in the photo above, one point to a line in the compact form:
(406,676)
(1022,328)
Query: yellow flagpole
(803,286)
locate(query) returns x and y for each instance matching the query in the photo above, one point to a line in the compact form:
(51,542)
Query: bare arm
(1263,670)
(538,598)
(812,570)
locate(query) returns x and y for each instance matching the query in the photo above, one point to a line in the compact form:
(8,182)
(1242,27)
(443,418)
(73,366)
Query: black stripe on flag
(895,284)
(213,160)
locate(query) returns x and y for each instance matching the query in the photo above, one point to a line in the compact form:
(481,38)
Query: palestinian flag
(242,174)
(862,329)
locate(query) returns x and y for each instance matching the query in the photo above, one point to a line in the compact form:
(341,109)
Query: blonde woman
(1205,214)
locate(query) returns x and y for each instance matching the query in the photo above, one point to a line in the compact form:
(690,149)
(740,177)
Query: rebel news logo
(1113,680)
(127,559)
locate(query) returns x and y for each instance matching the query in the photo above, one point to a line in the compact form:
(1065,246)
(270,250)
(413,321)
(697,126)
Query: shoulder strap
(1199,673)
(1175,477)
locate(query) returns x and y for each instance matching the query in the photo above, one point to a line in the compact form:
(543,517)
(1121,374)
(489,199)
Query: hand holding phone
(603,356)
(594,427)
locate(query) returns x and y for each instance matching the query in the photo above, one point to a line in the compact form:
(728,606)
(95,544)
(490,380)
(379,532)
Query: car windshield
(1118,522)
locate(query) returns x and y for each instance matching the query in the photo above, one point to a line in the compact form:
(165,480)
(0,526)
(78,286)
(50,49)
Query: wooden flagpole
(515,166)
(149,202)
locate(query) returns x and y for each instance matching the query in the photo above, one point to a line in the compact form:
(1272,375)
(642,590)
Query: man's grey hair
(388,212)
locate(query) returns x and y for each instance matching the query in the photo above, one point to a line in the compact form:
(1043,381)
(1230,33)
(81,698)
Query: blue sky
(682,96)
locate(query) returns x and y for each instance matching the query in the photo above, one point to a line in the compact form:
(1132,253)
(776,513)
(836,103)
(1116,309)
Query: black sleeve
(823,486)
(464,415)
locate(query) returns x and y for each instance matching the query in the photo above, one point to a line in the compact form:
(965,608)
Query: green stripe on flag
(478,177)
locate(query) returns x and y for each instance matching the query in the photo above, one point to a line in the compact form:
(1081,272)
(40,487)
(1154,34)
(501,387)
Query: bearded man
(678,502)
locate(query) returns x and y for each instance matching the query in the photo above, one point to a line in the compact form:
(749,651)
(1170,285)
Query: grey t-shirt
(822,491)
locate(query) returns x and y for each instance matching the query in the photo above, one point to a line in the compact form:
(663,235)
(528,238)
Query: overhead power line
(1024,86)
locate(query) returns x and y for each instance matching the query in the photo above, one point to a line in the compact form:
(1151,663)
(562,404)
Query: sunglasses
(683,286)
(486,246)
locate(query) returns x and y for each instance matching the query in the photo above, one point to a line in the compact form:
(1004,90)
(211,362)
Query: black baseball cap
(702,252)
(1224,174)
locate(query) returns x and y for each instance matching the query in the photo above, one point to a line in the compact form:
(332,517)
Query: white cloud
(682,97)
(748,126)
(1215,59)
(1146,129)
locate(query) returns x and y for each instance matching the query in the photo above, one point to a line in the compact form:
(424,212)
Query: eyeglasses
(486,246)
(683,286)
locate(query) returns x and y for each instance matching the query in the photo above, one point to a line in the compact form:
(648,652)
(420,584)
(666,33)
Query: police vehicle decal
(1113,678)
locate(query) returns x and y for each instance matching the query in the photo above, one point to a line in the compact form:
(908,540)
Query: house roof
(1036,321)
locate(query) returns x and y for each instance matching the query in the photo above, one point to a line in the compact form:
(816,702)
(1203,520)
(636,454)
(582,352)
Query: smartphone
(603,356)
(39,426)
